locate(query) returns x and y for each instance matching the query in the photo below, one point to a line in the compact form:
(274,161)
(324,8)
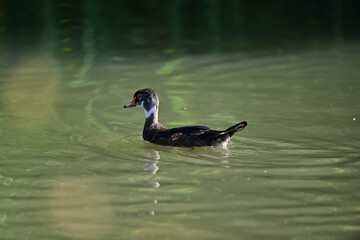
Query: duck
(188,136)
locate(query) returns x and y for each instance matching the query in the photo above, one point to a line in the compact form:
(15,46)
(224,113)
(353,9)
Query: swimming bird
(189,136)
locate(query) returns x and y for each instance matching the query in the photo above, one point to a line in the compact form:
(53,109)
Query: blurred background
(168,27)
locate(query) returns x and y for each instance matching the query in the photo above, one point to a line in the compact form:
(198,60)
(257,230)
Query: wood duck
(190,136)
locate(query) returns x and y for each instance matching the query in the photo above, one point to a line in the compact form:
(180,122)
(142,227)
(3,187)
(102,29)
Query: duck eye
(139,96)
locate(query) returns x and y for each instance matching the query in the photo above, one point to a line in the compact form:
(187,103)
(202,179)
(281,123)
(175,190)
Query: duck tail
(235,128)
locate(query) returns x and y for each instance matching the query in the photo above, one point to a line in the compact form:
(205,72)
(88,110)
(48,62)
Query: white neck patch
(148,113)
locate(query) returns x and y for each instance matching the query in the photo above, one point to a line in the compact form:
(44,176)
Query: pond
(73,163)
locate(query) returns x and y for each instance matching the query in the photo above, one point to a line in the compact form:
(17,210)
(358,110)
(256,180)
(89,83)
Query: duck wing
(189,130)
(185,136)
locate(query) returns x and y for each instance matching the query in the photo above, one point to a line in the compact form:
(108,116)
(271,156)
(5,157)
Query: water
(73,164)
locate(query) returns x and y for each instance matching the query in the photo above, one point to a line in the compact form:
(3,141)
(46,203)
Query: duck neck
(151,117)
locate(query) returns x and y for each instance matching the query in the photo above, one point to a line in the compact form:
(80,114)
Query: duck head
(147,99)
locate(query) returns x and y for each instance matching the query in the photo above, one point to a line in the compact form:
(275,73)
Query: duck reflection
(151,168)
(151,161)
(225,155)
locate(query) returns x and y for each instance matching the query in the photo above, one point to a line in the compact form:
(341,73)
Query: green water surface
(73,164)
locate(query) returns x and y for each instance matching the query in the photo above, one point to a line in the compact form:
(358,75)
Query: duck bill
(131,104)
